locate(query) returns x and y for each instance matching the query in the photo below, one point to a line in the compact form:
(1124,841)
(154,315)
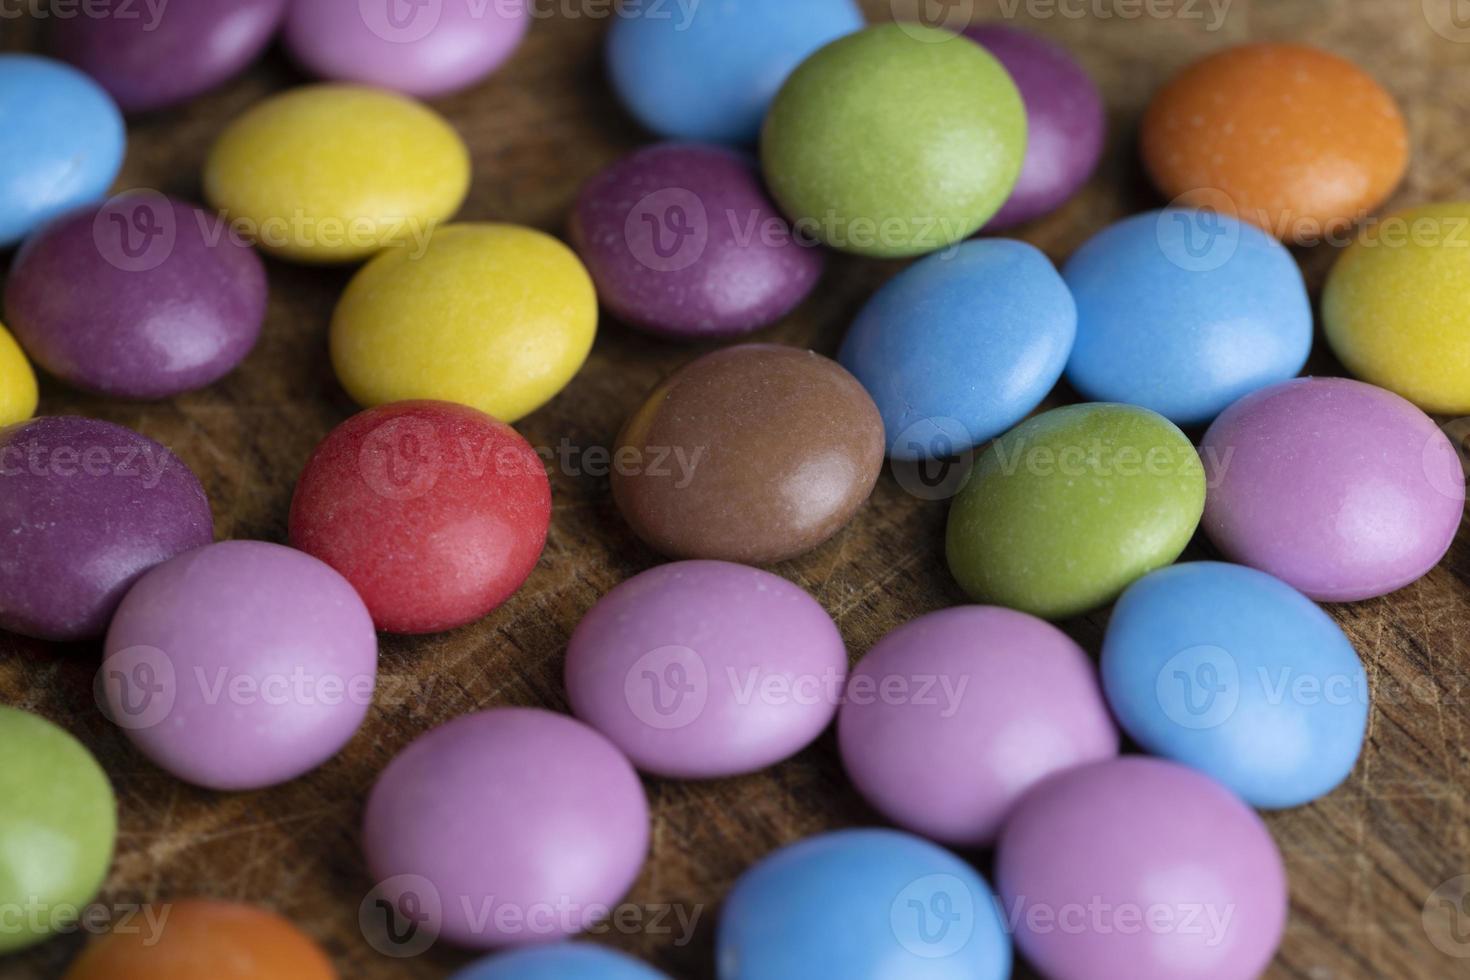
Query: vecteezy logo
(667,688)
(136,687)
(1450,19)
(1197,231)
(135,231)
(1446,917)
(934,916)
(401,459)
(932,458)
(401,916)
(945,15)
(1199,688)
(1446,461)
(401,21)
(668,230)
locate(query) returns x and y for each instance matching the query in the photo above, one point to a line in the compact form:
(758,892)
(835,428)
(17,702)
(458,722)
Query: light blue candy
(708,70)
(564,961)
(1185,312)
(862,903)
(961,346)
(1235,673)
(61,142)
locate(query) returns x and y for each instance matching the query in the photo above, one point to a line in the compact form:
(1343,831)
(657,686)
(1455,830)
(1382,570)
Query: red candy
(435,512)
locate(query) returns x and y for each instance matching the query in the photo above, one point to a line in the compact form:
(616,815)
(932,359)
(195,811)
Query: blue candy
(61,142)
(564,961)
(961,346)
(709,70)
(1185,312)
(1235,673)
(862,903)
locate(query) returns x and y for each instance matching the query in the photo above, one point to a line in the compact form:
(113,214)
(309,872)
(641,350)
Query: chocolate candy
(562,961)
(754,454)
(18,392)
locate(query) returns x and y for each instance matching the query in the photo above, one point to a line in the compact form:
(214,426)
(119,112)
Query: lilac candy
(951,717)
(702,669)
(140,297)
(87,507)
(1065,121)
(1342,490)
(682,241)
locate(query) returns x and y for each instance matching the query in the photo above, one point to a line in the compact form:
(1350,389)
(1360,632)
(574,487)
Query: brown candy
(753,454)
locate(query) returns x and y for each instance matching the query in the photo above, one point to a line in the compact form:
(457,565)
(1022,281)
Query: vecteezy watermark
(1447,461)
(932,457)
(145,463)
(957,15)
(1450,19)
(410,21)
(1446,917)
(148,12)
(1103,460)
(1201,687)
(1099,917)
(37,916)
(934,916)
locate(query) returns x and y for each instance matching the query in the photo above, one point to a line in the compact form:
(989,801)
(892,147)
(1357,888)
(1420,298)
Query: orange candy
(201,938)
(1285,136)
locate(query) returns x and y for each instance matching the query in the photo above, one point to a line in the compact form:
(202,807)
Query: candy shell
(18,392)
(563,961)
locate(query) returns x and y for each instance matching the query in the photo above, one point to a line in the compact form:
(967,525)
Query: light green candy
(1066,510)
(894,141)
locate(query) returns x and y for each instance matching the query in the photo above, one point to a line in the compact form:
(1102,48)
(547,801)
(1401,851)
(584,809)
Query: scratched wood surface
(1363,863)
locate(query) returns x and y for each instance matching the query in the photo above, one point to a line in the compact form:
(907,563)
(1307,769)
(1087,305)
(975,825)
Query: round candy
(436,513)
(951,717)
(18,392)
(1065,121)
(1342,490)
(204,938)
(754,454)
(508,827)
(703,669)
(562,961)
(1393,309)
(137,298)
(496,317)
(1240,676)
(1067,509)
(88,506)
(895,141)
(682,241)
(166,53)
(1185,311)
(1143,869)
(862,903)
(334,173)
(961,346)
(1285,136)
(240,665)
(708,71)
(424,49)
(62,142)
(58,824)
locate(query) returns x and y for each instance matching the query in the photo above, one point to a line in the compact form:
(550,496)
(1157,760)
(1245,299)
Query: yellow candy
(1396,308)
(333,173)
(492,316)
(17,382)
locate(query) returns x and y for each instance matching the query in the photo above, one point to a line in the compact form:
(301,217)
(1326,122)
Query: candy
(960,347)
(1065,121)
(1290,138)
(862,903)
(682,241)
(424,49)
(62,142)
(496,317)
(1063,512)
(1240,676)
(1185,311)
(240,665)
(141,297)
(58,823)
(87,507)
(704,669)
(507,827)
(951,717)
(708,71)
(334,173)
(895,141)
(436,513)
(564,961)
(1342,490)
(754,454)
(1393,309)
(151,56)
(1143,869)
(18,393)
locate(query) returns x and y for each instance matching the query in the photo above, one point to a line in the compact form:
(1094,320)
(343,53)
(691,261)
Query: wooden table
(1363,862)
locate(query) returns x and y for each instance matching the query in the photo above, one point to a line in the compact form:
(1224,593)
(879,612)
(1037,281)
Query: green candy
(1066,510)
(894,141)
(58,823)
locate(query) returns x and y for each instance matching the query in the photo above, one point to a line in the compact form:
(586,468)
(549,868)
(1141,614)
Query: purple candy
(1143,869)
(1342,490)
(140,297)
(240,665)
(87,507)
(507,827)
(702,669)
(951,717)
(153,55)
(682,241)
(1065,119)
